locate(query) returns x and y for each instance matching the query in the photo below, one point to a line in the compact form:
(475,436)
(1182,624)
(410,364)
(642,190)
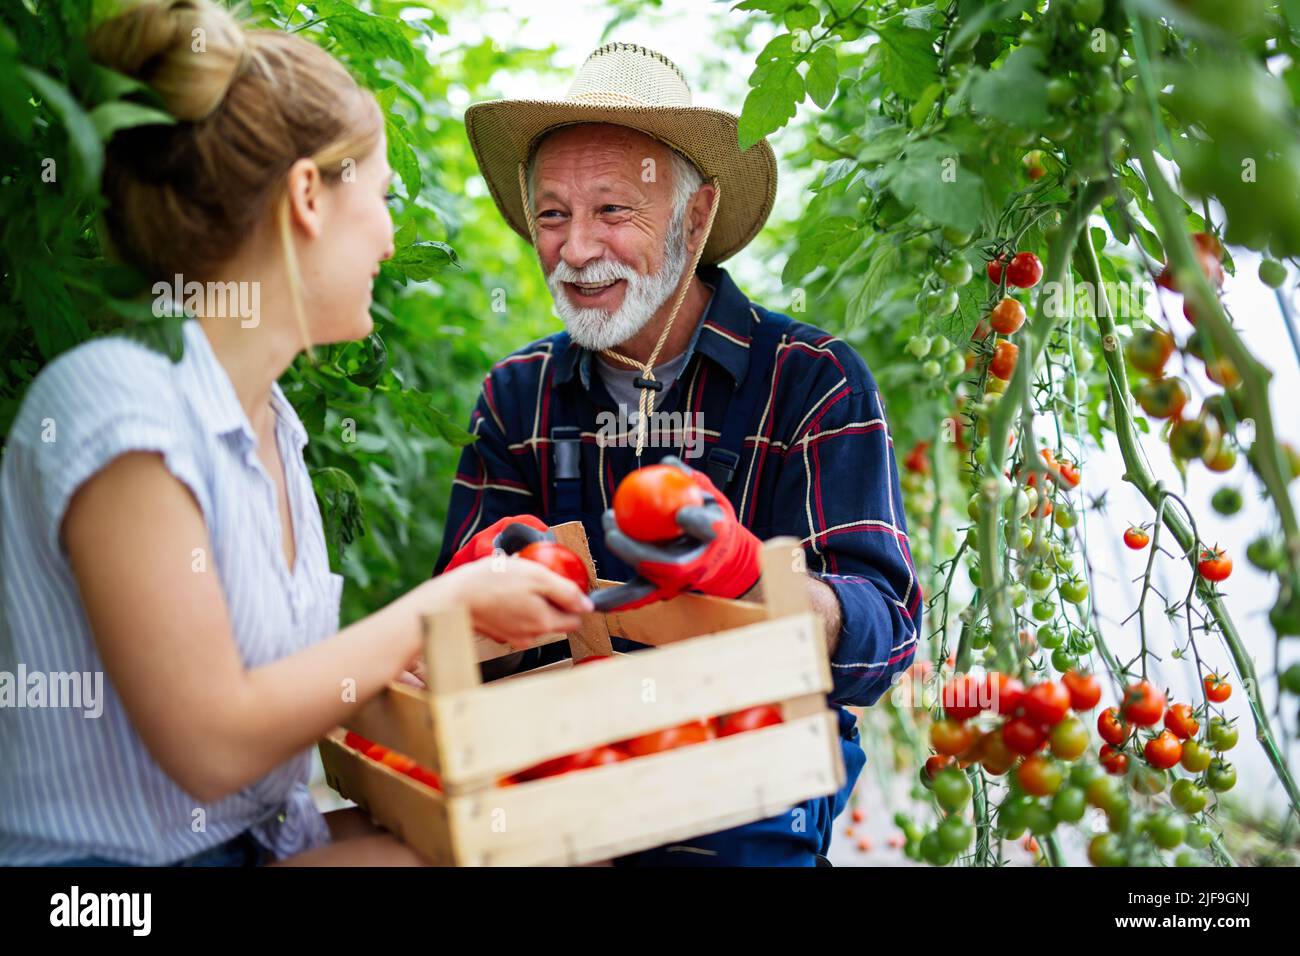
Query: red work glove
(485,542)
(718,555)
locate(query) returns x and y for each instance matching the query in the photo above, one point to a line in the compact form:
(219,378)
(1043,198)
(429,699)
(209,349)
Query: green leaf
(82,136)
(771,105)
(365,35)
(984,14)
(829,241)
(1016,93)
(868,295)
(123,114)
(930,177)
(422,260)
(340,506)
(908,63)
(802,17)
(923,105)
(823,75)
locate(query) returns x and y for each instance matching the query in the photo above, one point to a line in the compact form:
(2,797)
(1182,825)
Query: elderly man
(631,196)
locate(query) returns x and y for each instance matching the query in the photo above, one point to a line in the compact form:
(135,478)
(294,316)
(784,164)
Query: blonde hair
(248,105)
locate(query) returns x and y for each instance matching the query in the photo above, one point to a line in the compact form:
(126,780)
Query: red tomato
(1214,565)
(1047,703)
(647,500)
(951,737)
(697,731)
(1084,690)
(399,762)
(962,697)
(1007,316)
(1025,270)
(1003,363)
(751,718)
(1115,761)
(1070,476)
(357,742)
(1180,722)
(1003,693)
(1023,736)
(859,814)
(426,777)
(1136,538)
(1144,704)
(376,751)
(1163,750)
(1217,689)
(995,270)
(1112,729)
(559,559)
(933,764)
(593,757)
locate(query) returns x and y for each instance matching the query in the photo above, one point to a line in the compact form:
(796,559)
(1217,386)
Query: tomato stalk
(1036,334)
(1137,474)
(1267,456)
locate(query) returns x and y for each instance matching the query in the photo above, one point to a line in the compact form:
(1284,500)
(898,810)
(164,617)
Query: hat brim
(502,133)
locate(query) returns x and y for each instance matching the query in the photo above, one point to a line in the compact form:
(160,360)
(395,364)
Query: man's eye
(549,213)
(612,208)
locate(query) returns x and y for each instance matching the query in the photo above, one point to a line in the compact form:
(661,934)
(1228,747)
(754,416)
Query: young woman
(157,522)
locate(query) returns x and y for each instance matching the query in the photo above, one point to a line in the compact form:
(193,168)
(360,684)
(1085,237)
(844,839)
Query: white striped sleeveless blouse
(75,779)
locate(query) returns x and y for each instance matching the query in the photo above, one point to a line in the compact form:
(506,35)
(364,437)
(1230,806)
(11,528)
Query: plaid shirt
(817,463)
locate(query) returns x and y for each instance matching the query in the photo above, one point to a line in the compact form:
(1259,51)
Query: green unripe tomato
(1199,836)
(1063,660)
(955,237)
(1068,805)
(1088,12)
(1043,610)
(919,346)
(1272,273)
(1060,91)
(1101,48)
(1226,501)
(1187,796)
(931,368)
(1049,637)
(1166,830)
(955,364)
(1221,735)
(955,834)
(1065,516)
(1039,579)
(955,271)
(952,789)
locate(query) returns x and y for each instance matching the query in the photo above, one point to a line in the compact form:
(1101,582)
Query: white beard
(597,329)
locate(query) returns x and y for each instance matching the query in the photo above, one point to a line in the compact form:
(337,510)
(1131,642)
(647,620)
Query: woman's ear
(697,216)
(306,189)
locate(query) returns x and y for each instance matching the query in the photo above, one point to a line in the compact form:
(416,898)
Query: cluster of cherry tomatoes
(1144,707)
(1023,271)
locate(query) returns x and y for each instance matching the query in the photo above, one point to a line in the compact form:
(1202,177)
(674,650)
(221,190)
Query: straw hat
(629,85)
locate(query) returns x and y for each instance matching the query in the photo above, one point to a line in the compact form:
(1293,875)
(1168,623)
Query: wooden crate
(711,656)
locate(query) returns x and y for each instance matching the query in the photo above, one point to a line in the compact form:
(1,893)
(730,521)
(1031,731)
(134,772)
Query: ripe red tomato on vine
(1136,538)
(1024,270)
(1144,704)
(1084,690)
(1163,750)
(1214,565)
(1112,728)
(1216,688)
(1007,316)
(1180,721)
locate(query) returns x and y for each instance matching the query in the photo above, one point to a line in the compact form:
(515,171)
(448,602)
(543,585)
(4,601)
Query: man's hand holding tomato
(706,547)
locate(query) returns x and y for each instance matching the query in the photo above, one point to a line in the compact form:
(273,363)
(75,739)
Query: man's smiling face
(607,234)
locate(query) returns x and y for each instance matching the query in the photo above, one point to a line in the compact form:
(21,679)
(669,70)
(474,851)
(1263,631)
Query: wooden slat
(400,719)
(651,801)
(502,727)
(408,809)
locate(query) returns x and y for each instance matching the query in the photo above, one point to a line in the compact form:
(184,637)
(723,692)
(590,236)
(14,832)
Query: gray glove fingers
(516,536)
(698,520)
(674,462)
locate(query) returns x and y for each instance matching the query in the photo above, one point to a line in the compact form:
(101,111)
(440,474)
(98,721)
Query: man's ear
(697,216)
(306,193)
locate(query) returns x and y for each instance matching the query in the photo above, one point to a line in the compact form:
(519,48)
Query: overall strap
(566,455)
(724,457)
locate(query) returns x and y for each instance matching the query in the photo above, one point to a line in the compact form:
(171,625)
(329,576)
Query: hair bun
(187,51)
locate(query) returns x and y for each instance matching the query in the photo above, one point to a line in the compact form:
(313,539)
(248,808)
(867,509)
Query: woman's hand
(512,600)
